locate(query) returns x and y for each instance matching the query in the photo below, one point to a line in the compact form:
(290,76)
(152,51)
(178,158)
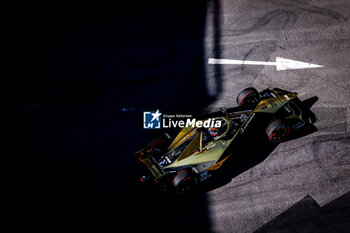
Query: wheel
(158,143)
(158,146)
(278,131)
(184,182)
(249,96)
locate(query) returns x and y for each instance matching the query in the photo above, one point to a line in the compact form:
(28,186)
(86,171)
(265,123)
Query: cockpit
(214,133)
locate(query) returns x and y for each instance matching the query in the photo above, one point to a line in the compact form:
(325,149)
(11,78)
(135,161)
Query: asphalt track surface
(91,69)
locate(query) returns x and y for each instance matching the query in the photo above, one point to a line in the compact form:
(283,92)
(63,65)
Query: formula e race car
(180,163)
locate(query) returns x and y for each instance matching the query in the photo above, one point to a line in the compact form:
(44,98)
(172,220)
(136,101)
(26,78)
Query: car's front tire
(249,96)
(184,182)
(278,130)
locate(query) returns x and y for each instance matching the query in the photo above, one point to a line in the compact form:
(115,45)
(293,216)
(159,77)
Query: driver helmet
(214,132)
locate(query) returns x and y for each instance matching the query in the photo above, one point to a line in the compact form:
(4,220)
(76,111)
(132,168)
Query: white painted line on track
(281,63)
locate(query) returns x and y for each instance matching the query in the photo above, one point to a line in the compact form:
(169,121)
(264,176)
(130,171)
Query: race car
(182,162)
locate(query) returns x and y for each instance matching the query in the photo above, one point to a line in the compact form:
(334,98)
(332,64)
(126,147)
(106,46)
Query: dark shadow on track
(91,70)
(307,216)
(217,43)
(308,103)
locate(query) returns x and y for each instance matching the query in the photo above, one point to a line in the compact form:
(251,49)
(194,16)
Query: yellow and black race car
(182,162)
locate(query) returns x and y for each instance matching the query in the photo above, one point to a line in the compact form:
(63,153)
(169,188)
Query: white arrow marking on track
(281,63)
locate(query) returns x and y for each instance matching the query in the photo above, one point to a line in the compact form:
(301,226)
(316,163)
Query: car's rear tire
(159,146)
(184,182)
(158,143)
(278,130)
(249,96)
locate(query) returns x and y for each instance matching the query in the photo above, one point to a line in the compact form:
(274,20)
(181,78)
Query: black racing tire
(158,146)
(184,182)
(249,96)
(278,130)
(160,143)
